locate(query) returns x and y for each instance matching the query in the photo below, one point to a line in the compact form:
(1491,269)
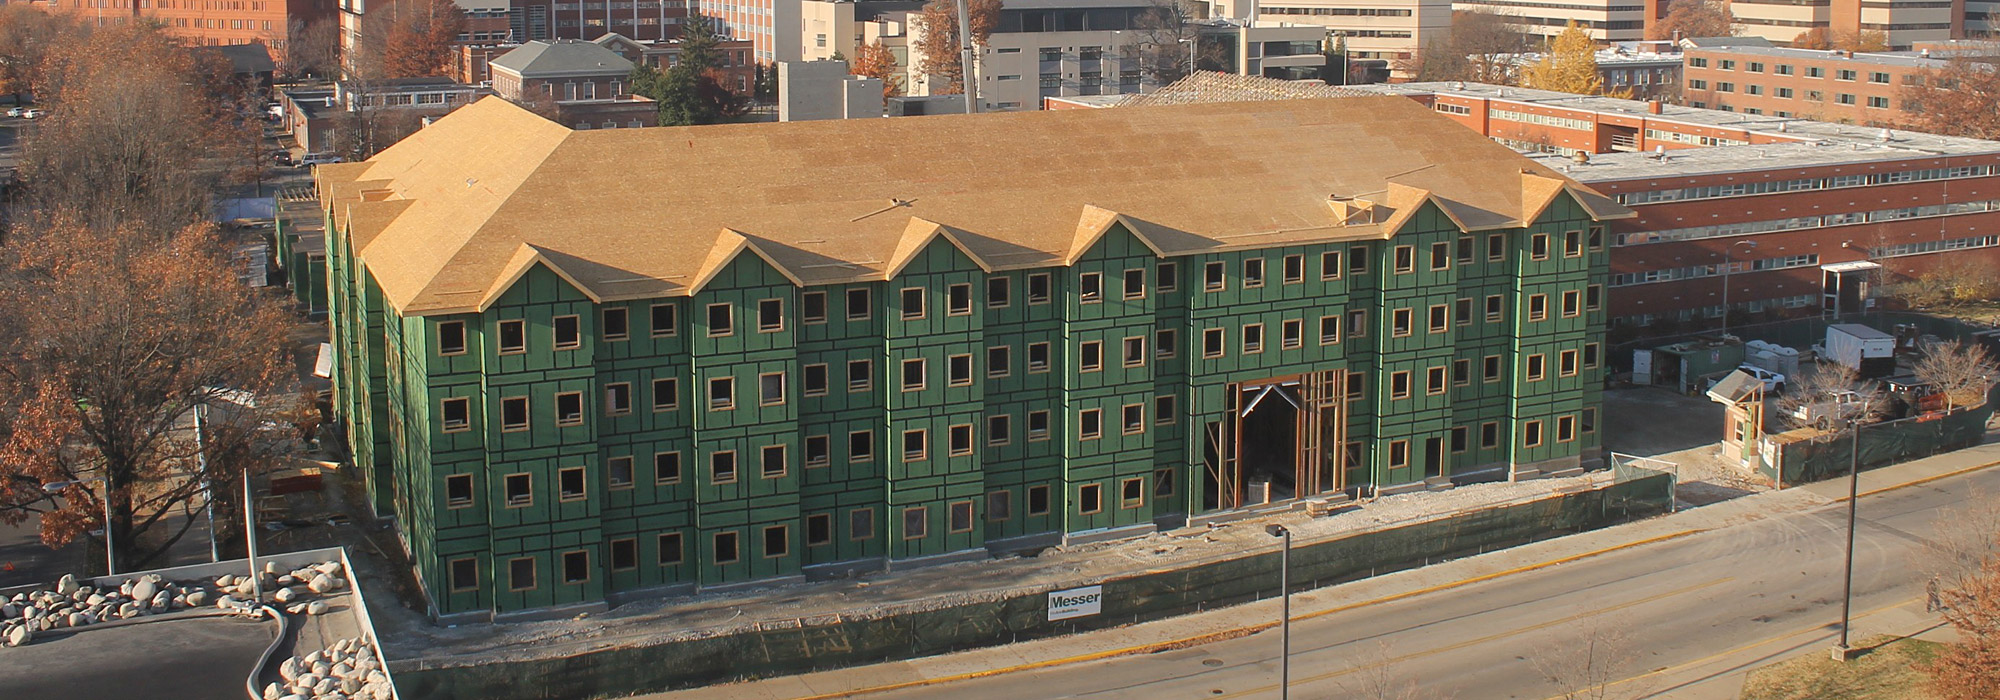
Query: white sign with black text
(1076,602)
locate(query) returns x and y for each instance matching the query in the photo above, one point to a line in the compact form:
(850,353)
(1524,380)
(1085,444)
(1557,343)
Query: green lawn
(1886,672)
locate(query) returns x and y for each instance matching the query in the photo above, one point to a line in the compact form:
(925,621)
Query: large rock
(317,607)
(331,568)
(145,589)
(291,669)
(196,599)
(321,584)
(285,595)
(67,585)
(20,636)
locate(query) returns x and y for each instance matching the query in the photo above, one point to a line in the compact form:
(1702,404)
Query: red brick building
(587,84)
(1771,200)
(206,22)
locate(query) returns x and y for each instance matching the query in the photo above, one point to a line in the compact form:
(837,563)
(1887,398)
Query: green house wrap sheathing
(574,364)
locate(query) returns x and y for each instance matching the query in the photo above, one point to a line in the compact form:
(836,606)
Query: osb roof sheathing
(638,213)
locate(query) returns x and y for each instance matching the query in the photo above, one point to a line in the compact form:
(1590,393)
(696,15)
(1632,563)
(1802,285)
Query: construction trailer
(1867,351)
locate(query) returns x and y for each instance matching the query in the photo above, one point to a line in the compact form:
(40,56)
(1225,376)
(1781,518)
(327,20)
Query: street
(1681,617)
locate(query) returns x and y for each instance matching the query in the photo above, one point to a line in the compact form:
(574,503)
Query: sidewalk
(1718,676)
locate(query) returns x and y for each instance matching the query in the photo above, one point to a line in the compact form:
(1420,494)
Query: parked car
(281,157)
(312,159)
(33,114)
(15,112)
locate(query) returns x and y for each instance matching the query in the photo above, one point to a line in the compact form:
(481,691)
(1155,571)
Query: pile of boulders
(349,670)
(71,604)
(290,591)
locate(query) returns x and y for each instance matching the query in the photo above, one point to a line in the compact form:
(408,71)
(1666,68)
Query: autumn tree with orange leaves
(1694,19)
(109,337)
(1969,668)
(136,122)
(27,35)
(875,61)
(419,42)
(1956,100)
(938,49)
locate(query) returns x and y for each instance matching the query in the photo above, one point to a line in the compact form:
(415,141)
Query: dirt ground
(1684,431)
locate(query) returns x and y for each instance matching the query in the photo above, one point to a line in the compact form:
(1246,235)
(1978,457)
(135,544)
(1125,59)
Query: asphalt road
(1666,606)
(194,659)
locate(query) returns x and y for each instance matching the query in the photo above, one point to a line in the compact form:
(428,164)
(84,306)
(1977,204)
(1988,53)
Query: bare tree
(1589,662)
(1959,370)
(1961,540)
(1481,48)
(1376,679)
(311,49)
(1826,396)
(1167,40)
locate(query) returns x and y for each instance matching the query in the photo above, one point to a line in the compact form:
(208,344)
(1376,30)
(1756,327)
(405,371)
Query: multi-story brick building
(1795,216)
(566,385)
(205,22)
(586,84)
(1834,86)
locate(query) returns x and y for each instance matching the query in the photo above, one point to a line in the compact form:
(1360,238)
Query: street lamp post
(1729,263)
(1853,505)
(110,559)
(1190,41)
(1285,622)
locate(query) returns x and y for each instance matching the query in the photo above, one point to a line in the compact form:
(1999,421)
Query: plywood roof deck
(446,215)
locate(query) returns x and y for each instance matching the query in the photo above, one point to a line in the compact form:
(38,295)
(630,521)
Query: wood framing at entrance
(1279,440)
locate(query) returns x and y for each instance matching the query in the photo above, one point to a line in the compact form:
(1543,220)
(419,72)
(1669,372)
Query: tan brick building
(1834,86)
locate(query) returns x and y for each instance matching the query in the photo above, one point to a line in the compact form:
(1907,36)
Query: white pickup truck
(1835,407)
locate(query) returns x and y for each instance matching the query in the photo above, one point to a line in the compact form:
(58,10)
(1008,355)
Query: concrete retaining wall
(843,641)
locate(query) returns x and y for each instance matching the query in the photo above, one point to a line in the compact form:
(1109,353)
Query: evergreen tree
(689,93)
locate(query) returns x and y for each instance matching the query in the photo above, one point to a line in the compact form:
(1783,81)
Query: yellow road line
(1237,631)
(1482,640)
(1721,654)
